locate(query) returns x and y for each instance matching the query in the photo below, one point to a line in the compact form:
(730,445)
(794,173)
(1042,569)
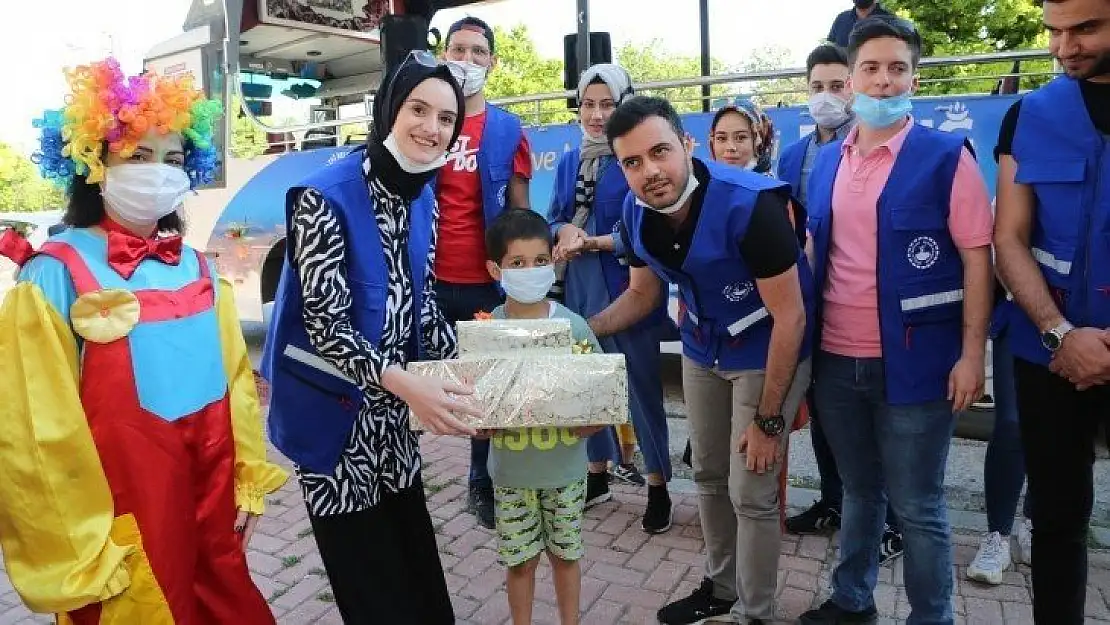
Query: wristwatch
(772,425)
(1054,338)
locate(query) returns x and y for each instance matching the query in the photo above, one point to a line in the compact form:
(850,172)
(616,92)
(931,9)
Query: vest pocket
(745,323)
(313,407)
(1059,185)
(313,371)
(918,217)
(930,303)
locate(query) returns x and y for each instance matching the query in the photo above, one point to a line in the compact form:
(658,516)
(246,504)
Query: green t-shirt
(547,457)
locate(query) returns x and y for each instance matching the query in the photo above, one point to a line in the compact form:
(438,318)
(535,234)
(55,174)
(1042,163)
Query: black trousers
(383,563)
(1058,429)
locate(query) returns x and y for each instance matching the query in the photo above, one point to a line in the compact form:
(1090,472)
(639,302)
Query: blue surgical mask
(882,113)
(529,285)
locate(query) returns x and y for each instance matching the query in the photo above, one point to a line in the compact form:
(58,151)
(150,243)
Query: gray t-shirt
(541,457)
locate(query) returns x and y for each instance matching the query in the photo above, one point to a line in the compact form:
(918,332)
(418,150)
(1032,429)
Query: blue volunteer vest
(920,274)
(500,138)
(722,322)
(1066,160)
(792,160)
(313,405)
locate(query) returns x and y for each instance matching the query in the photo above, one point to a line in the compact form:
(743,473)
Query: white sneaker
(992,560)
(1025,542)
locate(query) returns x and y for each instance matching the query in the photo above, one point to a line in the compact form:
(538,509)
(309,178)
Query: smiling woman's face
(426,121)
(732,140)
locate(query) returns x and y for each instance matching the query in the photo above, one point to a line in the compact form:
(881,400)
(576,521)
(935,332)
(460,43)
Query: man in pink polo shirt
(901,224)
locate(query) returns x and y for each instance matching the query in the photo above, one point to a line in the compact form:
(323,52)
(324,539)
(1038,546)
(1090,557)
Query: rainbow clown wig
(106,110)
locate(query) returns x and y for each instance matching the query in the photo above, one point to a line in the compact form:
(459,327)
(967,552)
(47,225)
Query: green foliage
(21,186)
(963,26)
(959,27)
(358,131)
(651,62)
(521,71)
(247,140)
(779,91)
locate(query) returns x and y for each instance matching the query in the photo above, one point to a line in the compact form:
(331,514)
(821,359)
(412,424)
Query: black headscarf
(398,84)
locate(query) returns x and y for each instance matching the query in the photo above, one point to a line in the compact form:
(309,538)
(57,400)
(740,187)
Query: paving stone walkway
(627,575)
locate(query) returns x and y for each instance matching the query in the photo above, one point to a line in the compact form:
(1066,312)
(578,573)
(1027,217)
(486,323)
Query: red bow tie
(127,250)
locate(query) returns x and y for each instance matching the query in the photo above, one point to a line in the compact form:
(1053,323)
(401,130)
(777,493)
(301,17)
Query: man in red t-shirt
(466,205)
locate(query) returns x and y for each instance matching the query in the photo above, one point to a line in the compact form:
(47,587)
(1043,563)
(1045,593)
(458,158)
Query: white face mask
(828,110)
(475,76)
(143,193)
(407,164)
(528,286)
(691,186)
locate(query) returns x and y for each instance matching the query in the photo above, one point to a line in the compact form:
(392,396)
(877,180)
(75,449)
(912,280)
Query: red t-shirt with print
(461,242)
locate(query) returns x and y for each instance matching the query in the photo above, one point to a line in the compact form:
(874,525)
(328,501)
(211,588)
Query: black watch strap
(771,425)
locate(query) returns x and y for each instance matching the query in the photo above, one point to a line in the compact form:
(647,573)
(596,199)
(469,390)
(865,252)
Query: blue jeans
(884,450)
(832,488)
(459,302)
(1004,470)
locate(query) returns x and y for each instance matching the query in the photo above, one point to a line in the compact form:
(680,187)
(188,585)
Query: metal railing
(537,114)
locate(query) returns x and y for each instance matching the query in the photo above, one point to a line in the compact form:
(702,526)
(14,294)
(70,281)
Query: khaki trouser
(739,509)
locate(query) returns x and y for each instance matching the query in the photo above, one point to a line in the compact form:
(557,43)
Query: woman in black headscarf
(355,304)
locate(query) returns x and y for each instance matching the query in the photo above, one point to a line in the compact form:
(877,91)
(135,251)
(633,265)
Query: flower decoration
(582,347)
(106,315)
(107,109)
(236,230)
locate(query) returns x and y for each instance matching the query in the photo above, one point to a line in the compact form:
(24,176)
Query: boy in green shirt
(539,473)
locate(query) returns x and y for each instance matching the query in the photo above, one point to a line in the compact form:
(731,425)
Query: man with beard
(844,23)
(1052,242)
(744,287)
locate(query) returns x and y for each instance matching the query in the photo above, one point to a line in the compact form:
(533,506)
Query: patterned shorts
(530,520)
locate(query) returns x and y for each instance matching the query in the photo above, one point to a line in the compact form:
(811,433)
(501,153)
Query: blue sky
(39,38)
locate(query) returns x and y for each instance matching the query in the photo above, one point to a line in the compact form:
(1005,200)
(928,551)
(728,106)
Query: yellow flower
(105,316)
(582,347)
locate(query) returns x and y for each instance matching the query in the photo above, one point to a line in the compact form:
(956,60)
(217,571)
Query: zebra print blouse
(382,454)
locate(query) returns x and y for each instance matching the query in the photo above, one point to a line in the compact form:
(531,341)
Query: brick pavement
(627,574)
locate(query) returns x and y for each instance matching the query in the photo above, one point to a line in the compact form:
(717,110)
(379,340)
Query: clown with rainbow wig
(132,452)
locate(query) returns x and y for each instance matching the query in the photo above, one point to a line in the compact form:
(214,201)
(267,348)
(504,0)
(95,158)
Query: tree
(247,140)
(957,27)
(779,91)
(21,186)
(651,62)
(356,132)
(521,71)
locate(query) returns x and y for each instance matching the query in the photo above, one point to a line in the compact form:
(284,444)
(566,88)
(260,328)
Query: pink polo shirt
(851,309)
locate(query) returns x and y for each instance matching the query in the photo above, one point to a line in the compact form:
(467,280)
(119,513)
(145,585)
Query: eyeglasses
(426,59)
